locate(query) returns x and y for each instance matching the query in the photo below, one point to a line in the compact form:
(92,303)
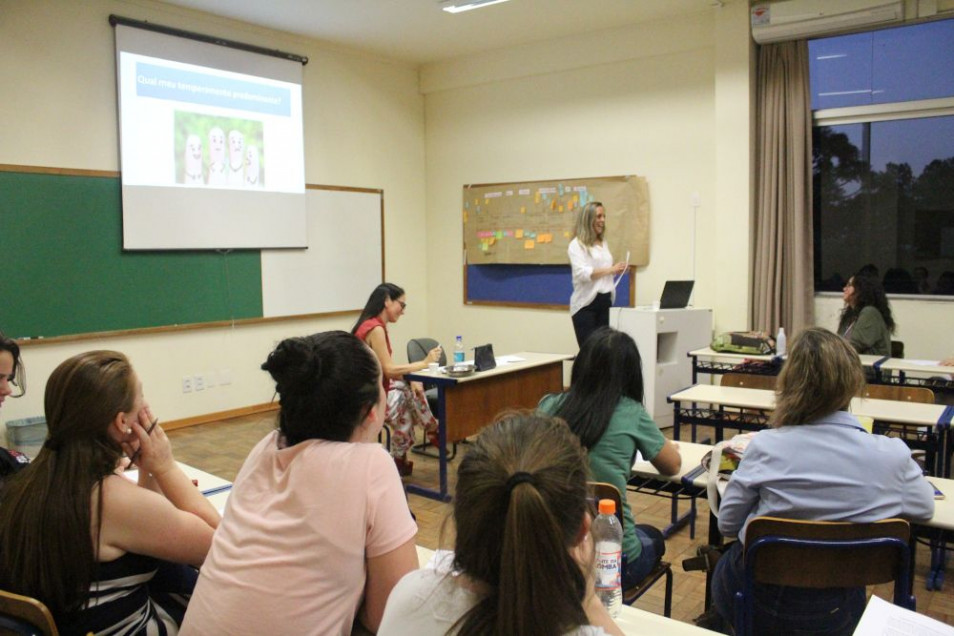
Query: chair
(899,393)
(604,490)
(799,554)
(25,616)
(417,349)
(749,381)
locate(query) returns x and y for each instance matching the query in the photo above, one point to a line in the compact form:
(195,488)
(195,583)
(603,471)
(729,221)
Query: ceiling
(418,31)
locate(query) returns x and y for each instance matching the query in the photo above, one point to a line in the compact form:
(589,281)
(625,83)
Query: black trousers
(592,317)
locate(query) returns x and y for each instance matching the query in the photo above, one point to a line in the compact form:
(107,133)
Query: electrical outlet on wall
(187,384)
(199,383)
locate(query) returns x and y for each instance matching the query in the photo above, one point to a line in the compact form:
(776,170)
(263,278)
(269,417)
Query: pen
(135,456)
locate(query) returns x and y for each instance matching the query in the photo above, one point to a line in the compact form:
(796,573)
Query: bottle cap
(607,507)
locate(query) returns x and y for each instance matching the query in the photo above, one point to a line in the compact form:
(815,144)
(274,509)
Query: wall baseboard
(220,415)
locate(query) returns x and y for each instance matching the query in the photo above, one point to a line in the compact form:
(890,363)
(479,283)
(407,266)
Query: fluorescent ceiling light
(459,6)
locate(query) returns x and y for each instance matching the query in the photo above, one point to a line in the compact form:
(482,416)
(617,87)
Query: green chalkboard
(64,271)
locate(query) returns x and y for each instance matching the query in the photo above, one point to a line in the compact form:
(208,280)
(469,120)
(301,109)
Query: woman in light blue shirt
(815,463)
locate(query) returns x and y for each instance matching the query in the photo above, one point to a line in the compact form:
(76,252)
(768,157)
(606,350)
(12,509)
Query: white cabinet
(664,337)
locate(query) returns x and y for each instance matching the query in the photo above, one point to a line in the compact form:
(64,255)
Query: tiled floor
(220,448)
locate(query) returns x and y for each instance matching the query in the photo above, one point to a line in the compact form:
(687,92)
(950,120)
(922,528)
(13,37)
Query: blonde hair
(584,225)
(821,375)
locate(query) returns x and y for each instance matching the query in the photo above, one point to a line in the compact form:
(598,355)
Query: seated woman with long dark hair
(604,407)
(816,463)
(92,545)
(317,530)
(407,405)
(866,321)
(523,556)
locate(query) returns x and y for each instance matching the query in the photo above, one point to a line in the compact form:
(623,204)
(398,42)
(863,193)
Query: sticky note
(498,234)
(536,197)
(484,247)
(518,234)
(560,189)
(486,201)
(492,240)
(560,208)
(553,204)
(566,235)
(476,201)
(528,245)
(523,209)
(508,233)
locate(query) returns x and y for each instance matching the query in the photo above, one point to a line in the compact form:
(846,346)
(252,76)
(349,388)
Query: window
(883,157)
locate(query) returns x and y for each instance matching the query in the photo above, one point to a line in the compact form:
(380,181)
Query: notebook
(676,294)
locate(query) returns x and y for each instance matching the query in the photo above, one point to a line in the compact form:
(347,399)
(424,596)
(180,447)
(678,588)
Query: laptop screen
(676,294)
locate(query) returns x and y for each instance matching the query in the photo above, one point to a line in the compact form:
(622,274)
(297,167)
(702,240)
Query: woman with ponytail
(523,560)
(317,530)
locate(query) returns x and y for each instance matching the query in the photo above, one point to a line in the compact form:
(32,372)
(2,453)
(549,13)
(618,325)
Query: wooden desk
(466,405)
(926,373)
(631,619)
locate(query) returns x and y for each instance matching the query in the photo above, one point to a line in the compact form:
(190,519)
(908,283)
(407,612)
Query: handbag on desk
(484,357)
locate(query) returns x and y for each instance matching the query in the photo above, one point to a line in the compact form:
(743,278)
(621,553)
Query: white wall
(364,126)
(669,101)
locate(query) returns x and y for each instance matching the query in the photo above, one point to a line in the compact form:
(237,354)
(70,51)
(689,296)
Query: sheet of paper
(616,282)
(508,359)
(924,363)
(882,618)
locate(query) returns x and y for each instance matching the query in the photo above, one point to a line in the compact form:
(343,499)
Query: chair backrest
(25,615)
(606,490)
(800,554)
(773,545)
(899,393)
(417,349)
(749,380)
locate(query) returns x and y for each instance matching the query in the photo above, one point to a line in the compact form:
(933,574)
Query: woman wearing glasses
(11,380)
(407,405)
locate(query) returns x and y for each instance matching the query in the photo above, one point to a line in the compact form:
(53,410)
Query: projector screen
(211,145)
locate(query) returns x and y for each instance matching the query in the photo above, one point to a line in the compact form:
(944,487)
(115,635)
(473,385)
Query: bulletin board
(532,223)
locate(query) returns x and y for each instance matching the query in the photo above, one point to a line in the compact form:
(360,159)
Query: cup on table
(433,367)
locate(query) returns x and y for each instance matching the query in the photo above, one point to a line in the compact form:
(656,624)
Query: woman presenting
(593,271)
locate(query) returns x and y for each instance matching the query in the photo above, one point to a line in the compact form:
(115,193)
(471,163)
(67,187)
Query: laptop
(676,294)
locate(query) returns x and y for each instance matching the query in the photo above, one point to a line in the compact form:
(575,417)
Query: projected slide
(191,126)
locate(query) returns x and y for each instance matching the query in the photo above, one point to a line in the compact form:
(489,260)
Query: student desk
(938,377)
(466,405)
(906,418)
(215,489)
(712,362)
(631,619)
(684,485)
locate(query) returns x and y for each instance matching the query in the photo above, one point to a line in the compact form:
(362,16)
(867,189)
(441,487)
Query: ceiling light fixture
(459,6)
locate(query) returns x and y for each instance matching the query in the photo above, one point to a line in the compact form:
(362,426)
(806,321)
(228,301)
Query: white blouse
(582,264)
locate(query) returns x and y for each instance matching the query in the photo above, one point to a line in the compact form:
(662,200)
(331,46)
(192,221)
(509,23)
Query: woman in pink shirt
(317,530)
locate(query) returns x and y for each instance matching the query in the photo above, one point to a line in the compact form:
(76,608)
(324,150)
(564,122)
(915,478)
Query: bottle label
(608,568)
(458,356)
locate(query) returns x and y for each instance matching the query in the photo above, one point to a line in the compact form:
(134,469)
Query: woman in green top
(604,407)
(866,320)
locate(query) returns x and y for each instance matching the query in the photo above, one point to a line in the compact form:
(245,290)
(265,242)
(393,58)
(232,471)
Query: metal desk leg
(442,494)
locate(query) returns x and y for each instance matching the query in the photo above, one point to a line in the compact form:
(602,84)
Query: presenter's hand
(434,355)
(619,268)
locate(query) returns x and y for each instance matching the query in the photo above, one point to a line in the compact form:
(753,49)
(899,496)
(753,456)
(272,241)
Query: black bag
(484,357)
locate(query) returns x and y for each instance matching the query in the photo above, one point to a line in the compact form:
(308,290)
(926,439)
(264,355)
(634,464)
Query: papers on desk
(882,618)
(923,363)
(509,359)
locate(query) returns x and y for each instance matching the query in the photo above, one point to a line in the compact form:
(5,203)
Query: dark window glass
(881,67)
(884,195)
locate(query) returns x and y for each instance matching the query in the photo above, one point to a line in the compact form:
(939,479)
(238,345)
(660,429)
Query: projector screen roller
(211,145)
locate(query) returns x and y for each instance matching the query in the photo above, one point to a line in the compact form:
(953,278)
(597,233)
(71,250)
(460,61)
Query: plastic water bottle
(608,537)
(781,347)
(458,350)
